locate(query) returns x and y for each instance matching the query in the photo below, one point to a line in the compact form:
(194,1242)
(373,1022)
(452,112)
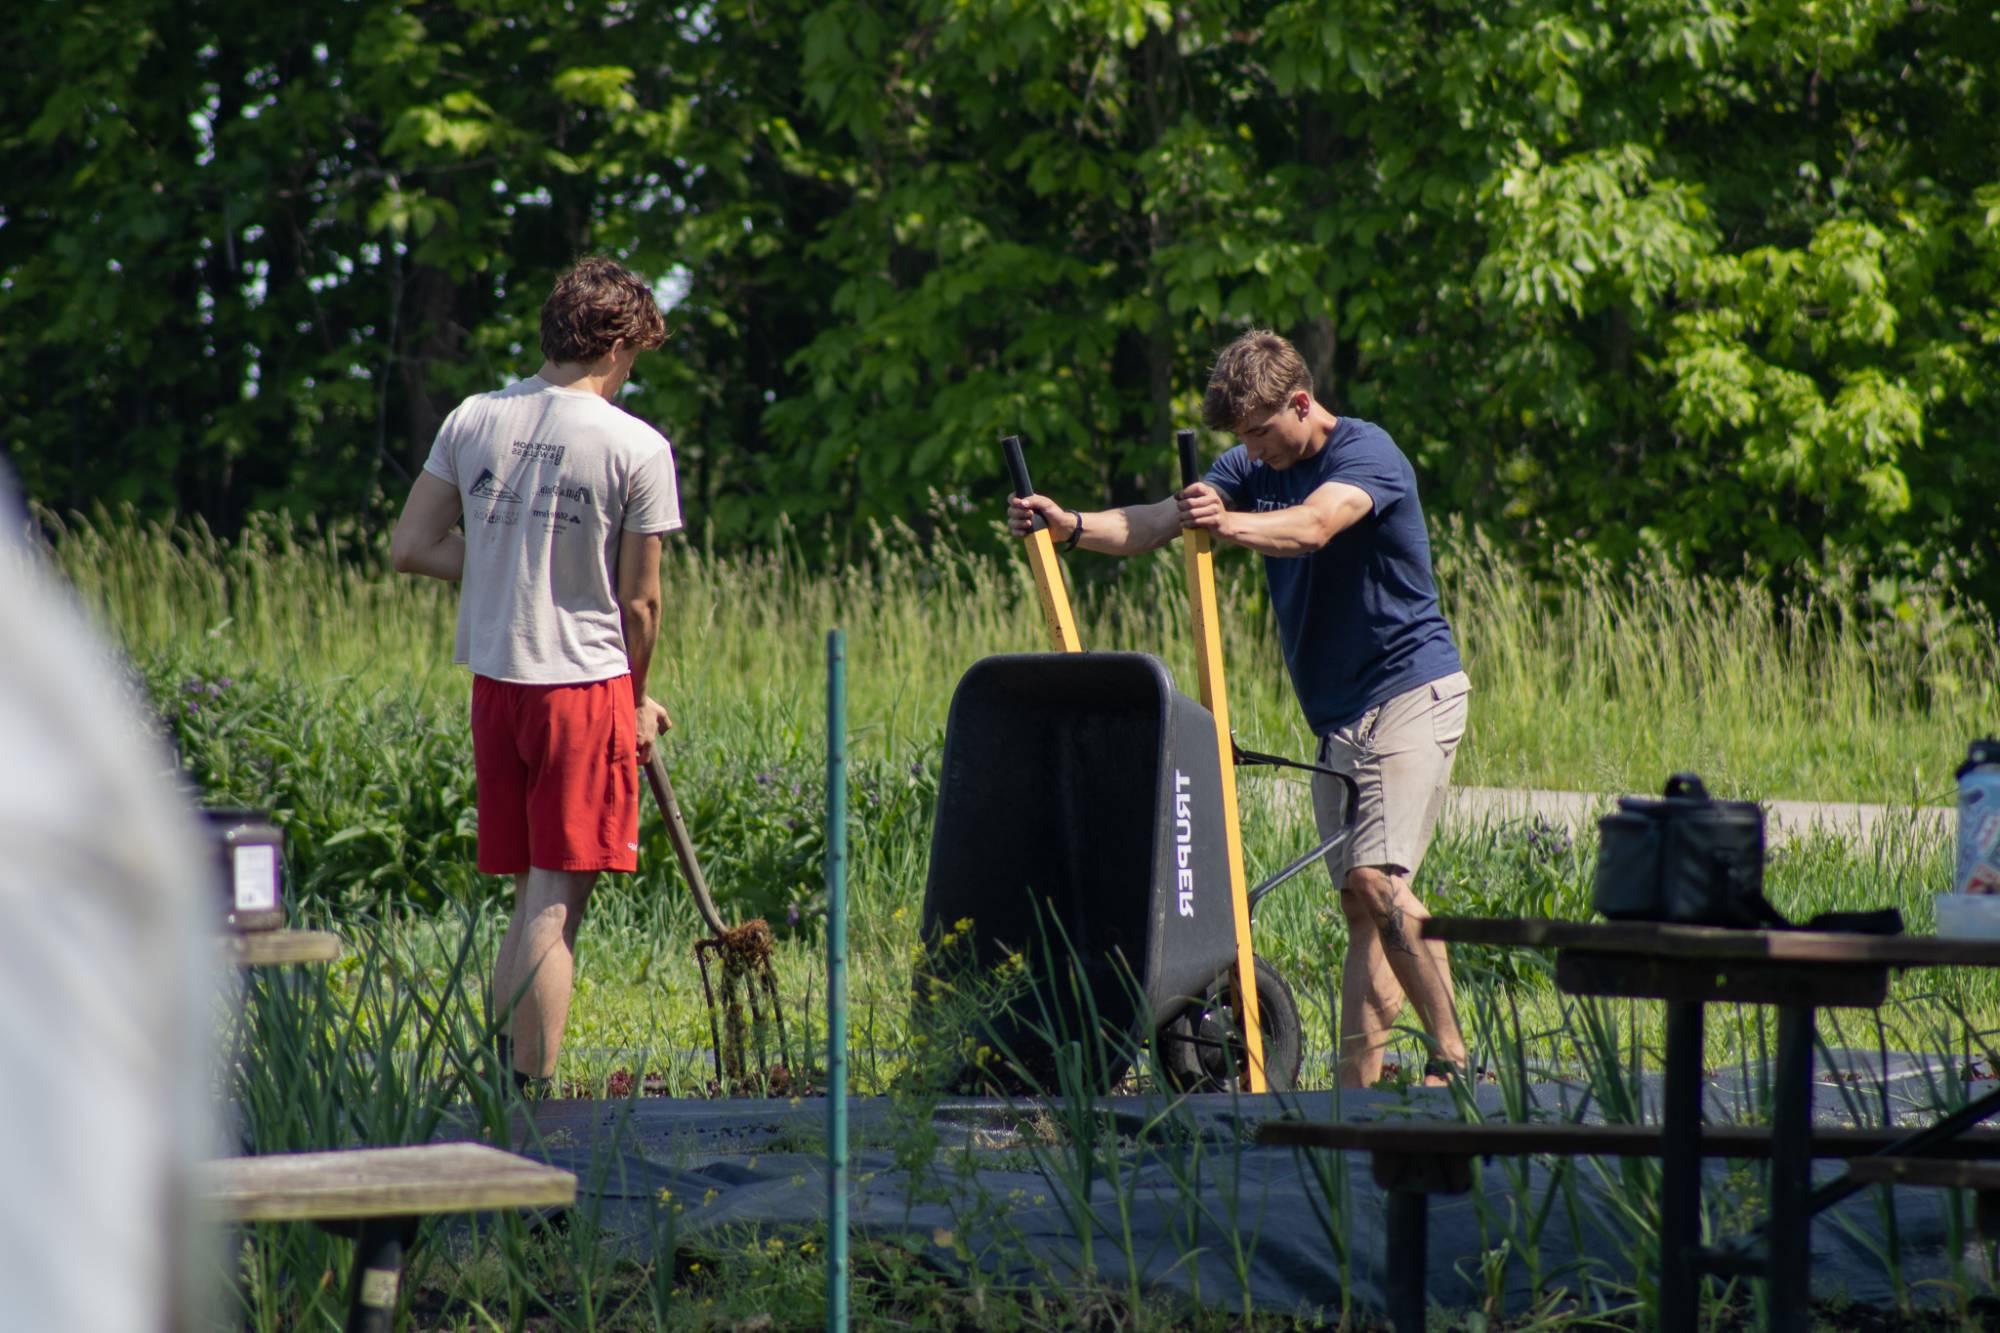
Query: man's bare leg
(537,962)
(1370,999)
(1381,906)
(506,968)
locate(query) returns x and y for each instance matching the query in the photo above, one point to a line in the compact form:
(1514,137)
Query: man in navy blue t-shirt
(1331,504)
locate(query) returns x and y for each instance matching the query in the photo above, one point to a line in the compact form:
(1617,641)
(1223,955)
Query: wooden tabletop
(1656,940)
(264,948)
(379,1182)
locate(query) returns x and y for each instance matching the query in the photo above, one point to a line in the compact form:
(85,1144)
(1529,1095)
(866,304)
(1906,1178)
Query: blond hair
(1253,377)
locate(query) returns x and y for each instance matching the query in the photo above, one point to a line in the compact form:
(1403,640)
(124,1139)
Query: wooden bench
(377,1195)
(1414,1159)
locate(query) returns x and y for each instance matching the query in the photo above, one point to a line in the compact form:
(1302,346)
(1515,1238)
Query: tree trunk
(430,337)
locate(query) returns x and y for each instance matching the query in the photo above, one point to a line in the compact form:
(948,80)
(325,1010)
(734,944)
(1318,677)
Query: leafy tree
(1717,278)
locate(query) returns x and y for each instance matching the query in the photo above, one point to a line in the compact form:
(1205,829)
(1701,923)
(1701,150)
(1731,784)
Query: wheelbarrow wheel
(1201,1049)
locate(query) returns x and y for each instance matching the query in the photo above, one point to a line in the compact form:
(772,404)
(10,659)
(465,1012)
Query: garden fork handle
(677,834)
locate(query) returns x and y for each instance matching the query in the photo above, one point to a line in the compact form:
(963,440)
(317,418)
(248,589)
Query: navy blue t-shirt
(1359,617)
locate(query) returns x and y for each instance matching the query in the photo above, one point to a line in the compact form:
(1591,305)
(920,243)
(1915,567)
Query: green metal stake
(836,981)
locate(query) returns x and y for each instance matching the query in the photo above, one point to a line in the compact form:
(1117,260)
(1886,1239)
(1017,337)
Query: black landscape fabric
(1256,1220)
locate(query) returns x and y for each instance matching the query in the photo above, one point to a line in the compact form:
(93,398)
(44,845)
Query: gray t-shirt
(549,478)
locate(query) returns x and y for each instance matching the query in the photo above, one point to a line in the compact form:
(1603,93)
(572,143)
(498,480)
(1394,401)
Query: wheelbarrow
(1089,781)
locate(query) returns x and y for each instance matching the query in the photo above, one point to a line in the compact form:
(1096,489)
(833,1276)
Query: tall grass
(392,1045)
(1605,682)
(301,676)
(1610,678)
(298,675)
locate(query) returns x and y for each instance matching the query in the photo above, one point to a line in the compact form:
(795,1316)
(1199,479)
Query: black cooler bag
(1684,858)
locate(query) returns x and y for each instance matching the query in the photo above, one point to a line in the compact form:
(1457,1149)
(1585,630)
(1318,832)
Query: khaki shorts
(1399,754)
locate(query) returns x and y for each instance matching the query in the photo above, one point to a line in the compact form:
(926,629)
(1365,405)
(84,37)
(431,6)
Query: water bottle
(1979,819)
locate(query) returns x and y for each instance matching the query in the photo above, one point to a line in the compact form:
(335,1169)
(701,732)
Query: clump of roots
(749,1014)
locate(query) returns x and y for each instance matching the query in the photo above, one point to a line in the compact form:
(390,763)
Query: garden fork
(749,1006)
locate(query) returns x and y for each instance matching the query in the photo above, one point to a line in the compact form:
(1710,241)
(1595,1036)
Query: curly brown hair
(1252,378)
(592,306)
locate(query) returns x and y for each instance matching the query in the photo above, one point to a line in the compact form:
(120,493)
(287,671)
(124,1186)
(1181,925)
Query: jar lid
(222,819)
(223,813)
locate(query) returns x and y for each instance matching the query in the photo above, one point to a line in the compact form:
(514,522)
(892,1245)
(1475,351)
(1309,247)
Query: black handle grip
(1190,461)
(1017,464)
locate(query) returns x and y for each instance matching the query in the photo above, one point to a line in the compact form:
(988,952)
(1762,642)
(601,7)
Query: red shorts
(557,768)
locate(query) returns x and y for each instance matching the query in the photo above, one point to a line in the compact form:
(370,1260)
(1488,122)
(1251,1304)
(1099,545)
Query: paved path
(1783,819)
(1579,810)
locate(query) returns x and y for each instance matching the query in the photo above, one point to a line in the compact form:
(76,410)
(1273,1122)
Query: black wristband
(1075,533)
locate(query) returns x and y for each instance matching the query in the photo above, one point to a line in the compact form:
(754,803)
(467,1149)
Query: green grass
(297,675)
(1613,678)
(638,993)
(342,711)
(1605,683)
(386,1043)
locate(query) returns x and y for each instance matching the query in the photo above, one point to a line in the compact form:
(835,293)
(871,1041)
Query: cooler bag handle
(1687,786)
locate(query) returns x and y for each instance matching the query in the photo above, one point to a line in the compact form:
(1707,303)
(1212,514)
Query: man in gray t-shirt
(564,500)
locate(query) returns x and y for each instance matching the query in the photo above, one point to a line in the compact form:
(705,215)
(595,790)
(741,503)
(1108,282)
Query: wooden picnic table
(1798,973)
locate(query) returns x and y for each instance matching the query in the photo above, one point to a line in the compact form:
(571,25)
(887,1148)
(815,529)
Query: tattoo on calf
(1391,928)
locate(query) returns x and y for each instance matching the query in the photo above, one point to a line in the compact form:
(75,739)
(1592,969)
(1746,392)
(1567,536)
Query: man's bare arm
(639,617)
(1132,530)
(423,542)
(1304,528)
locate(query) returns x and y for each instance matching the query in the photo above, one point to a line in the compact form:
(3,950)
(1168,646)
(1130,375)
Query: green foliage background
(1714,279)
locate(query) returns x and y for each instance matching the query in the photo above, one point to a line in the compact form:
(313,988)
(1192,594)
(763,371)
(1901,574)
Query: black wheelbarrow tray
(1079,817)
